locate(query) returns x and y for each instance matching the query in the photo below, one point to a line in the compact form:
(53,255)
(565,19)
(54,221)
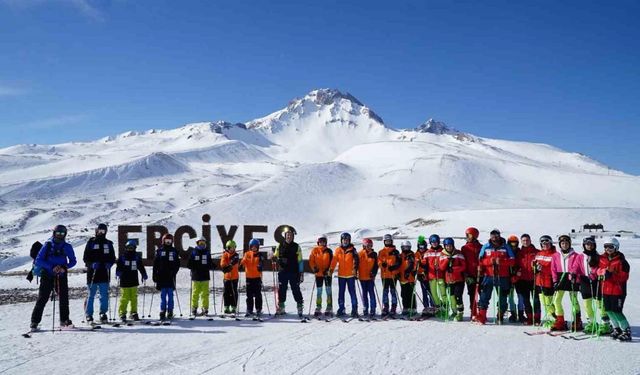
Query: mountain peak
(436,127)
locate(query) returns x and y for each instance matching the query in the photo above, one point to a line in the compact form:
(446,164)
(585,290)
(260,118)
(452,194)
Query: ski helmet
(254,242)
(474,232)
(525,235)
(231,244)
(546,238)
(202,240)
(406,245)
(434,239)
(167,237)
(563,238)
(288,230)
(449,241)
(422,240)
(513,238)
(322,238)
(345,236)
(367,242)
(589,240)
(131,245)
(60,232)
(387,239)
(612,242)
(495,232)
(101,229)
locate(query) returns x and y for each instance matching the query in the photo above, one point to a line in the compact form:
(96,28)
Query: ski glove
(30,276)
(471,280)
(314,270)
(118,274)
(421,277)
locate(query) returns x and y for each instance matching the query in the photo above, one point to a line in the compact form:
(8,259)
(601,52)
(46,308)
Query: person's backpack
(35,249)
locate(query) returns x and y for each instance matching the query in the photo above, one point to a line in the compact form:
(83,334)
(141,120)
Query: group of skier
(503,268)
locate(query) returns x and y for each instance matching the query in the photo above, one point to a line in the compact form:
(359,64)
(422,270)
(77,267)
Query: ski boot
(559,324)
(205,312)
(604,329)
(258,314)
(103,318)
(385,311)
(481,318)
(163,315)
(405,312)
(625,335)
(354,313)
(528,320)
(233,310)
(392,312)
(194,312)
(135,317)
(248,314)
(280,309)
(318,313)
(513,317)
(500,318)
(89,319)
(576,325)
(591,327)
(227,310)
(340,312)
(170,314)
(458,317)
(66,323)
(300,308)
(123,318)
(616,333)
(424,314)
(537,319)
(521,317)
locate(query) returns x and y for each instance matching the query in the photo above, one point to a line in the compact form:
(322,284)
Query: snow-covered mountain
(324,163)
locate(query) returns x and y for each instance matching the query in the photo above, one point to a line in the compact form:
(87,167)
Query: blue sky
(565,73)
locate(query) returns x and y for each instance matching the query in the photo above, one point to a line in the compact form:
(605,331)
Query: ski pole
(175,290)
(264,293)
(236,293)
(115,310)
(53,315)
(213,291)
(375,289)
(359,290)
(144,294)
(275,291)
(151,303)
(191,293)
(311,296)
(86,304)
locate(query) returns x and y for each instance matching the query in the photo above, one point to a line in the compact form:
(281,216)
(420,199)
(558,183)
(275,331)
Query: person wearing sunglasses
(166,265)
(99,256)
(496,259)
(613,270)
(52,262)
(544,282)
(566,272)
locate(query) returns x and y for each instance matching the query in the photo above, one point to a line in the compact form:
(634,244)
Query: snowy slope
(324,163)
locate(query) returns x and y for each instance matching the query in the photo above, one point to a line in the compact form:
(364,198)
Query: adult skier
(288,257)
(99,256)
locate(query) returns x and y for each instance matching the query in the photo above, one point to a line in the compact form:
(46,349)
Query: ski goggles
(101,231)
(609,247)
(168,242)
(60,234)
(201,243)
(545,241)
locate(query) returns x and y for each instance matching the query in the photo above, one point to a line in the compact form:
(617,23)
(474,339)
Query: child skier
(346,259)
(524,273)
(407,280)
(367,271)
(613,271)
(544,282)
(252,263)
(428,307)
(471,251)
(165,269)
(52,263)
(320,263)
(566,272)
(591,289)
(127,268)
(435,277)
(229,263)
(99,256)
(453,266)
(200,264)
(389,263)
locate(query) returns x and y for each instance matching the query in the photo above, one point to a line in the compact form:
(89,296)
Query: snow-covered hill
(324,163)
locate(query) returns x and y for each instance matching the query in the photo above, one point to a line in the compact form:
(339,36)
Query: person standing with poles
(127,268)
(422,267)
(453,266)
(99,256)
(613,272)
(288,256)
(566,271)
(252,263)
(200,264)
(165,269)
(407,273)
(54,259)
(368,269)
(544,282)
(495,258)
(389,262)
(435,277)
(230,263)
(320,261)
(524,272)
(346,259)
(471,252)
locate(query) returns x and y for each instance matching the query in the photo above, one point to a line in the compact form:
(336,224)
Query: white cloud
(84,7)
(54,122)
